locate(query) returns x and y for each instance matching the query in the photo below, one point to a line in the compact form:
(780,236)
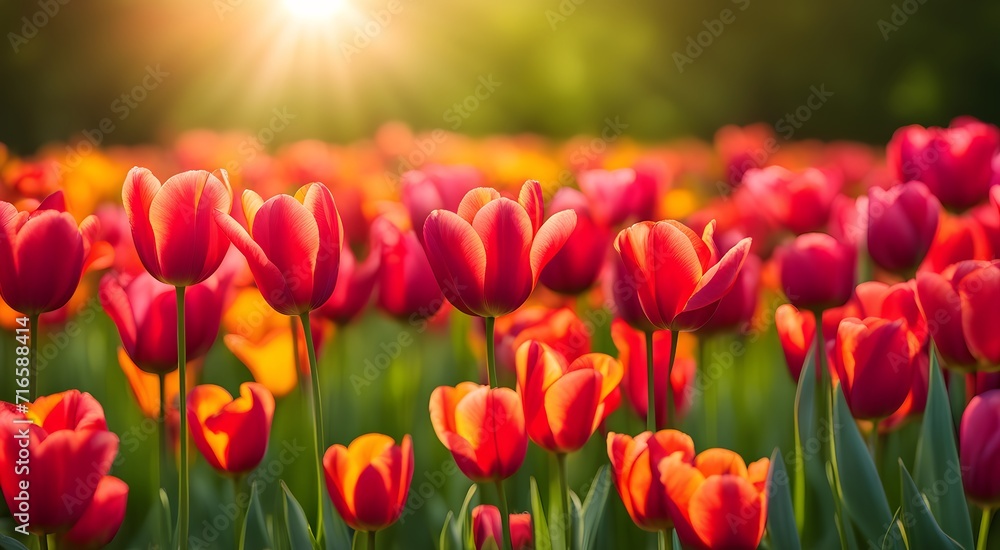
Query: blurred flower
(902,222)
(270,358)
(560,329)
(406,286)
(744,148)
(172,225)
(817,271)
(436,187)
(145,386)
(487,258)
(800,201)
(576,266)
(618,195)
(293,246)
(486,525)
(355,283)
(631,346)
(43,253)
(680,278)
(482,427)
(635,471)
(979,454)
(874,362)
(981,382)
(954,162)
(958,238)
(102,519)
(737,307)
(369,480)
(710,492)
(564,403)
(69,442)
(231,433)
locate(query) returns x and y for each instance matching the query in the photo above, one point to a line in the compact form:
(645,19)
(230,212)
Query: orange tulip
(487,258)
(231,433)
(172,225)
(482,427)
(369,480)
(564,403)
(102,519)
(717,502)
(634,467)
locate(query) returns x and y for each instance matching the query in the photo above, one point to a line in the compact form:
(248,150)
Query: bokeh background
(563,66)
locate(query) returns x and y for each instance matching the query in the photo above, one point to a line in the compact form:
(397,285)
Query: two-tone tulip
(231,433)
(486,529)
(635,471)
(902,222)
(368,480)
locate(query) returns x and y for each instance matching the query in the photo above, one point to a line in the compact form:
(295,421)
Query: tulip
(874,359)
(680,277)
(560,329)
(736,309)
(958,238)
(980,451)
(146,387)
(144,311)
(622,287)
(486,526)
(482,427)
(102,519)
(436,187)
(576,266)
(902,222)
(68,441)
(632,355)
(277,358)
(231,433)
(618,195)
(744,148)
(369,480)
(954,162)
(355,283)
(817,272)
(406,285)
(799,201)
(796,331)
(635,471)
(709,493)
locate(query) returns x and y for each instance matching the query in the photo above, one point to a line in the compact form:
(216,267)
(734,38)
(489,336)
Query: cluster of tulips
(884,267)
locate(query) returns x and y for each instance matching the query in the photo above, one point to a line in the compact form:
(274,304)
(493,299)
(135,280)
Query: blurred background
(556,67)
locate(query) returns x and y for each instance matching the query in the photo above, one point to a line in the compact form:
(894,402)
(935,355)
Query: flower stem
(984,529)
(241,513)
(650,385)
(665,539)
(43,542)
(491,359)
(674,337)
(371,540)
(564,491)
(162,453)
(873,444)
(182,499)
(504,516)
(316,404)
(33,337)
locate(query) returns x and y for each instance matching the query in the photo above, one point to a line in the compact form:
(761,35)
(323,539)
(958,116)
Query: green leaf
(444,540)
(300,535)
(576,513)
(254,535)
(893,538)
(805,427)
(541,527)
(593,506)
(465,521)
(167,529)
(8,543)
(338,534)
(780,514)
(677,540)
(859,485)
(922,531)
(937,462)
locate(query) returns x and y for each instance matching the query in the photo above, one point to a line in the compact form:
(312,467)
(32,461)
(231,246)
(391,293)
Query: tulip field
(505,342)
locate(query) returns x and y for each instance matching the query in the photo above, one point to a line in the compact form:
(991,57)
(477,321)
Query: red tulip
(631,346)
(145,312)
(43,253)
(622,288)
(898,301)
(406,286)
(293,246)
(797,332)
(635,470)
(736,309)
(100,523)
(70,450)
(172,225)
(436,187)
(817,272)
(744,148)
(902,222)
(954,162)
(979,455)
(576,266)
(369,480)
(874,360)
(799,201)
(717,502)
(487,258)
(486,525)
(618,195)
(482,427)
(559,328)
(231,433)
(564,403)
(355,282)
(958,238)
(680,278)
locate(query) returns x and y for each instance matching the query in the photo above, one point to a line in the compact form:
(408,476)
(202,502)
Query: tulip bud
(231,433)
(874,359)
(902,222)
(635,470)
(979,455)
(486,525)
(369,480)
(817,272)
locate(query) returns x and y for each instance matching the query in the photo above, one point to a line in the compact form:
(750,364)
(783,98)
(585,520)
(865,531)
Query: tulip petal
(713,462)
(530,198)
(727,512)
(251,204)
(551,237)
(506,234)
(458,259)
(719,279)
(980,294)
(319,202)
(475,200)
(48,281)
(941,304)
(266,273)
(140,187)
(571,404)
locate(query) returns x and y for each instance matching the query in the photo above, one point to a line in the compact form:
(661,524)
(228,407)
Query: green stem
(650,385)
(491,358)
(504,516)
(674,336)
(316,404)
(564,492)
(162,453)
(873,444)
(295,345)
(371,540)
(33,337)
(43,542)
(984,529)
(241,513)
(182,499)
(710,400)
(665,539)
